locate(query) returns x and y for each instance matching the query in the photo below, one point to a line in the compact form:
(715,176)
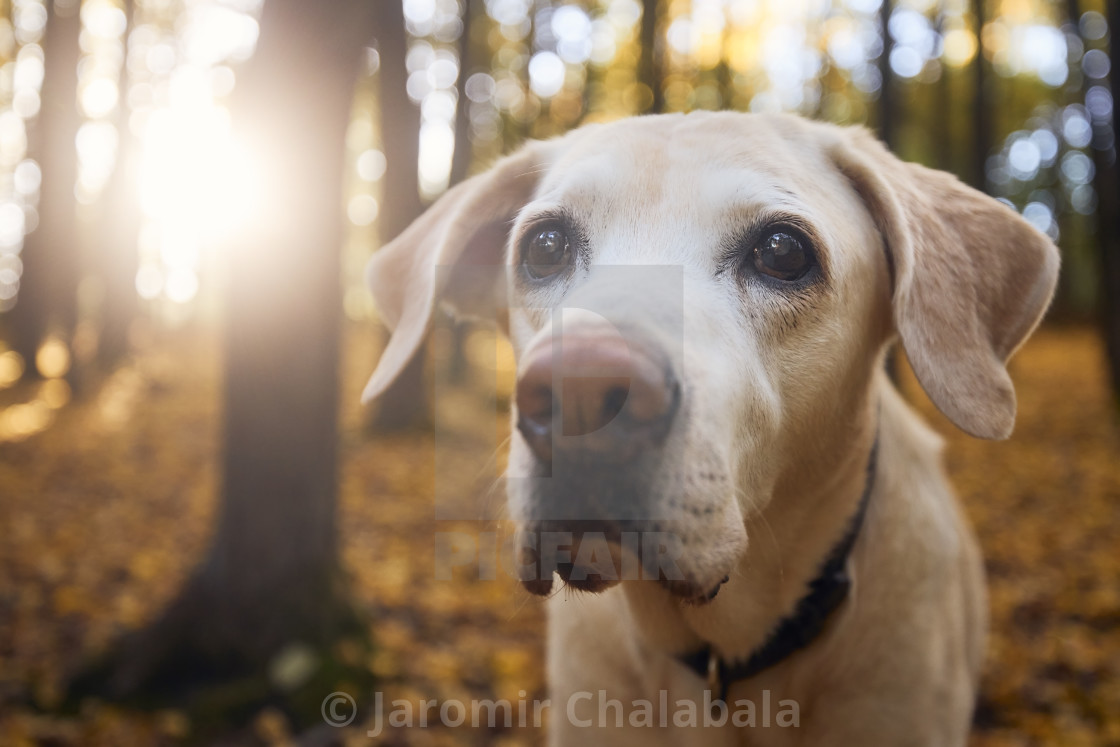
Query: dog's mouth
(595,556)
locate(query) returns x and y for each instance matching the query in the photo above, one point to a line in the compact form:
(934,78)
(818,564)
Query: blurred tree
(886,110)
(120,226)
(981,105)
(461,158)
(1106,182)
(460,167)
(405,404)
(649,66)
(1108,214)
(885,114)
(271,580)
(521,125)
(48,290)
(943,108)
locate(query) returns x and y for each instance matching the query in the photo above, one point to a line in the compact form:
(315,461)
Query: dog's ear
(971,280)
(453,253)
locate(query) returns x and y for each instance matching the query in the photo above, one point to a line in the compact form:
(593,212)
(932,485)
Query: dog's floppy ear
(971,280)
(453,253)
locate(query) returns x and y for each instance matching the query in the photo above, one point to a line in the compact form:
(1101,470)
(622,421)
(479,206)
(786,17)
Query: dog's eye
(546,252)
(782,256)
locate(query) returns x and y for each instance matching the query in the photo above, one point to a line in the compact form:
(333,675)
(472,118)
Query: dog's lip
(687,591)
(586,581)
(590,582)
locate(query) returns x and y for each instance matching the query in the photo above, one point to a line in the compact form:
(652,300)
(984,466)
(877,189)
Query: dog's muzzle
(595,410)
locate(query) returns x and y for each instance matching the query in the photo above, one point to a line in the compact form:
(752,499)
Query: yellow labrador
(704,437)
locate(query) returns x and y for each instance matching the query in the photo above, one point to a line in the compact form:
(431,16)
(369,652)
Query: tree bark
(272,578)
(405,404)
(47,301)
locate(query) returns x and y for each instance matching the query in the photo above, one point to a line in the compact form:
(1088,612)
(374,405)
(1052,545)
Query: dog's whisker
(756,512)
(489,493)
(526,598)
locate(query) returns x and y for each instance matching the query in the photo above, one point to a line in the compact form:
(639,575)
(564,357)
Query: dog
(701,306)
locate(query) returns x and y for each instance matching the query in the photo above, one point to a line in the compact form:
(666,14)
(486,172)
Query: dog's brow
(747,219)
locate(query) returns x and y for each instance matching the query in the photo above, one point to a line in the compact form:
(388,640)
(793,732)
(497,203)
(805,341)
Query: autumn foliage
(106,512)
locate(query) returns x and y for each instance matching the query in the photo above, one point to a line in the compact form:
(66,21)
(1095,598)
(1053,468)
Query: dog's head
(698,304)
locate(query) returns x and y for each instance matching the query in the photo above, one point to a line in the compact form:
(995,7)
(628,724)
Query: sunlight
(199,182)
(193,172)
(198,186)
(154,85)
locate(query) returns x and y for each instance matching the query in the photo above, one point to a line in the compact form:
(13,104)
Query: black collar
(826,592)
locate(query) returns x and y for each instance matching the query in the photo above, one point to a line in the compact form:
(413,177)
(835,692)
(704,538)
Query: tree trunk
(885,112)
(460,169)
(943,112)
(47,301)
(272,579)
(461,160)
(121,227)
(405,404)
(1106,181)
(981,106)
(885,109)
(649,65)
(1108,217)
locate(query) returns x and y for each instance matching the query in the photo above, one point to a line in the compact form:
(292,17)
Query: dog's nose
(611,394)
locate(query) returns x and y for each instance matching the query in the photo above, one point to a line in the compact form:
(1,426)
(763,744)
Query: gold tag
(714,683)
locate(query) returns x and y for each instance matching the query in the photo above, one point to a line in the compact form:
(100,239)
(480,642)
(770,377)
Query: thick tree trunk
(47,301)
(405,404)
(277,532)
(272,578)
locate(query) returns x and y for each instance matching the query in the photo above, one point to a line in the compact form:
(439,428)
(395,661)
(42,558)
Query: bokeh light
(154,89)
(53,358)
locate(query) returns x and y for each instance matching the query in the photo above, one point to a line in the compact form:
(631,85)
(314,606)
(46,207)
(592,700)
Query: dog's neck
(789,541)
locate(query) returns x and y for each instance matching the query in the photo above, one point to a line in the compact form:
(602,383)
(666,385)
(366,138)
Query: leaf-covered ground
(103,515)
